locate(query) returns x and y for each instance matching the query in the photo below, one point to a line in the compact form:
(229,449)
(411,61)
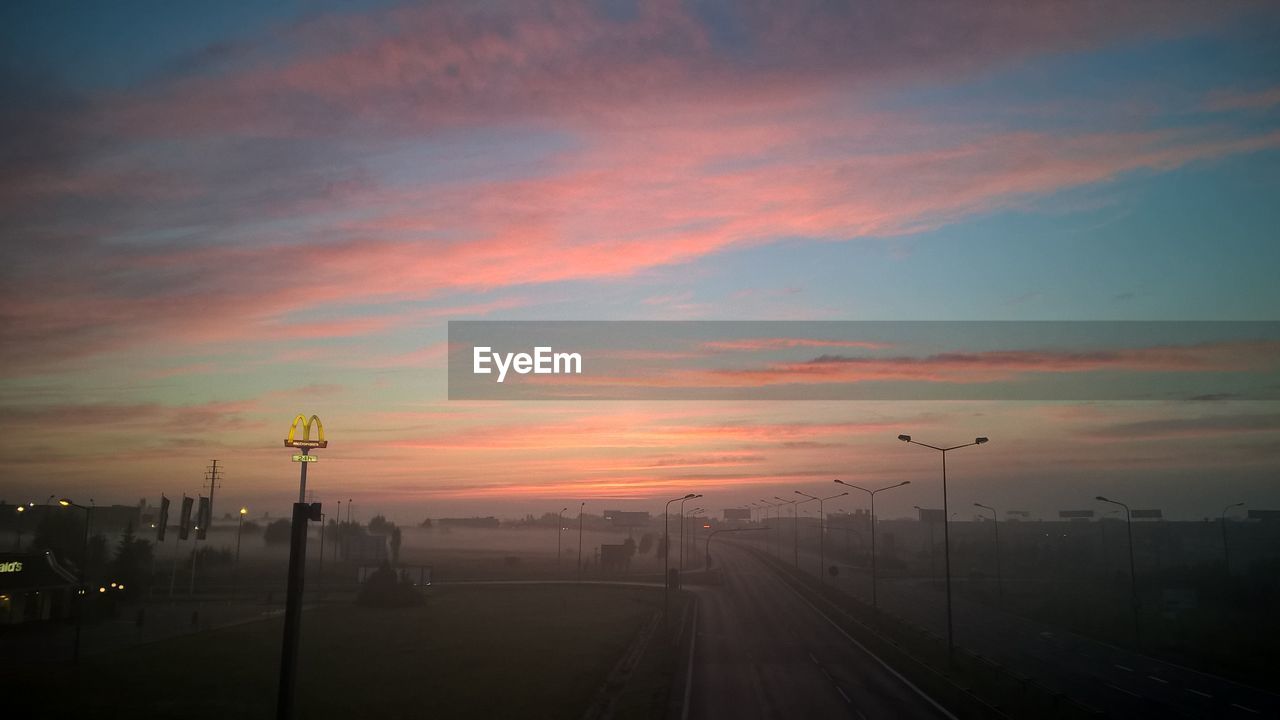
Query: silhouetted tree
(277,532)
(646,543)
(383,588)
(395,545)
(379,525)
(131,563)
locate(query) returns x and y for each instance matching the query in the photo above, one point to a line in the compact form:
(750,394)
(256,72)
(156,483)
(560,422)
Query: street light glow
(64,502)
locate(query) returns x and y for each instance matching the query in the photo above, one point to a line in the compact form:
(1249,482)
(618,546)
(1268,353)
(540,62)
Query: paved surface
(762,651)
(1119,682)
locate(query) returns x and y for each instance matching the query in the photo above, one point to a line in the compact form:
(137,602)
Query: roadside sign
(305,458)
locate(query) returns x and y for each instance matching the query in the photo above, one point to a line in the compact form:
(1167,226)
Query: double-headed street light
(84,560)
(690,496)
(875,604)
(946,527)
(995,523)
(1133,574)
(822,530)
(666,553)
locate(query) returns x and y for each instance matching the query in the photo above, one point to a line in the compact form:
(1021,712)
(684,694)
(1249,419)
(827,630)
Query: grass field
(484,651)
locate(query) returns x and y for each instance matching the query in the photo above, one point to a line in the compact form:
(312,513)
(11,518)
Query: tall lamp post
(875,602)
(1226,548)
(1133,575)
(794,532)
(995,523)
(84,560)
(580,507)
(559,533)
(795,529)
(239,529)
(666,555)
(822,530)
(682,502)
(946,528)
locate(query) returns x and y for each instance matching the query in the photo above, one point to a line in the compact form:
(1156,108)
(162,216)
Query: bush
(385,589)
(278,532)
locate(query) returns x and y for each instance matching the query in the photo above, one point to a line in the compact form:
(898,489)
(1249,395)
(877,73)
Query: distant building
(476,522)
(626,519)
(616,558)
(34,587)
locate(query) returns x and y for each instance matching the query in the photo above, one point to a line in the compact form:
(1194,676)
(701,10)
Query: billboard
(1147,515)
(203,517)
(184,520)
(1075,514)
(163,521)
(931,515)
(623,518)
(737,514)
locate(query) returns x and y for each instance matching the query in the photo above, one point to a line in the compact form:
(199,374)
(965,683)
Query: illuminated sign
(305,458)
(11,567)
(306,441)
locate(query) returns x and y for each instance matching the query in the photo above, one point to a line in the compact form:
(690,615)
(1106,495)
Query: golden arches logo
(306,441)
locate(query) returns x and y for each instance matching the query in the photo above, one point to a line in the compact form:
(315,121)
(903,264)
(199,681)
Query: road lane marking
(923,695)
(846,697)
(1197,692)
(1120,689)
(1162,681)
(1126,669)
(1246,709)
(815,660)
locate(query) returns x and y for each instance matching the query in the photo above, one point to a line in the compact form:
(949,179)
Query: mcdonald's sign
(306,441)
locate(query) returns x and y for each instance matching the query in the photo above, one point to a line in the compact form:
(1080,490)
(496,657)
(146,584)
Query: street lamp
(1226,549)
(875,603)
(559,532)
(690,496)
(239,529)
(822,530)
(84,560)
(666,555)
(946,528)
(1133,575)
(995,519)
(584,504)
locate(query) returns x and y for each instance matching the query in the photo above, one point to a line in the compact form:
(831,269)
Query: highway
(762,651)
(1116,681)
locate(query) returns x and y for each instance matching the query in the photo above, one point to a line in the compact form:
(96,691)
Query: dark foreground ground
(485,651)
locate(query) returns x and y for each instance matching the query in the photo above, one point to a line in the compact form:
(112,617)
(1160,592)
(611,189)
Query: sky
(216,216)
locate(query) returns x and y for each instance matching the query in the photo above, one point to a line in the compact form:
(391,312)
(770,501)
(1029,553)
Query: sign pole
(303,513)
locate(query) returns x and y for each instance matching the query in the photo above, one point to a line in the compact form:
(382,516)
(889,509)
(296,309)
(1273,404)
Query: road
(1117,681)
(762,651)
